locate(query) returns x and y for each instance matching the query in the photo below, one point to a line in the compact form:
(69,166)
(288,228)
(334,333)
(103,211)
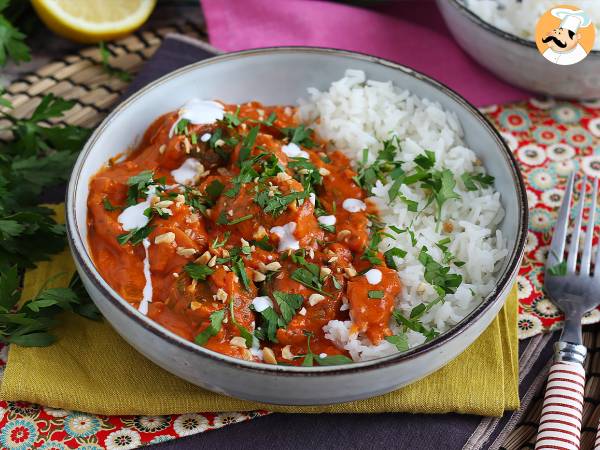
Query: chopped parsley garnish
(425,160)
(558,270)
(439,276)
(442,185)
(371,253)
(415,325)
(240,219)
(216,243)
(470,180)
(108,206)
(136,235)
(385,165)
(264,244)
(239,269)
(308,273)
(399,340)
(289,304)
(197,271)
(299,136)
(181,127)
(242,329)
(389,254)
(138,186)
(271,321)
(216,321)
(375,294)
(214,190)
(310,358)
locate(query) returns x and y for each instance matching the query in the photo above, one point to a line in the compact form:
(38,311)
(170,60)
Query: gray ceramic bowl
(281,76)
(518,60)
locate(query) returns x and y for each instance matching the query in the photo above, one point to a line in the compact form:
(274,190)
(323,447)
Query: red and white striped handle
(597,441)
(560,424)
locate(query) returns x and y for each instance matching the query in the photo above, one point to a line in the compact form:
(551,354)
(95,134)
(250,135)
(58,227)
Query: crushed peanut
(165,238)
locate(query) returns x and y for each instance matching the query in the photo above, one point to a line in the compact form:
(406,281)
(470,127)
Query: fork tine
(557,246)
(589,234)
(574,247)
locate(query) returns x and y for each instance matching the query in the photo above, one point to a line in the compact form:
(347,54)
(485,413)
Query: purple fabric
(408,32)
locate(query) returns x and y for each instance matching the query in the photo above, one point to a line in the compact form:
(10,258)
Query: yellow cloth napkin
(90,368)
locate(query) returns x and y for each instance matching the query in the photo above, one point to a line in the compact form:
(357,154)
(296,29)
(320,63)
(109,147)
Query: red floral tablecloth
(550,139)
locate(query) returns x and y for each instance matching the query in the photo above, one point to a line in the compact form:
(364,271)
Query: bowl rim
(497,31)
(84,262)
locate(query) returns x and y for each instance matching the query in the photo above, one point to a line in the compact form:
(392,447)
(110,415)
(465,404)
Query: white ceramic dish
(281,76)
(518,60)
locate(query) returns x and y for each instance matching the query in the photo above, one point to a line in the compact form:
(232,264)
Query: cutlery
(574,292)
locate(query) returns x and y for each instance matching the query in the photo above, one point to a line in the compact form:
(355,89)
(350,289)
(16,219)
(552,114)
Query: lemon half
(93,20)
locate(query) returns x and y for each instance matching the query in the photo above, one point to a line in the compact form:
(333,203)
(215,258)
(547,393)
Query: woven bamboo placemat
(80,77)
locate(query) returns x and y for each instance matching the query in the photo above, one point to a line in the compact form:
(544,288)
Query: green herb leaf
(242,329)
(399,340)
(135,236)
(216,321)
(558,270)
(108,206)
(197,271)
(375,294)
(289,304)
(471,180)
(239,269)
(121,74)
(389,254)
(299,136)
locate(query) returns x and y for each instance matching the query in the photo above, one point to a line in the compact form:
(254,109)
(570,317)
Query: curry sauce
(235,227)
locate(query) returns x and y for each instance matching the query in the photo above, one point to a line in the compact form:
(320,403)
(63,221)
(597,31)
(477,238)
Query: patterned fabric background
(550,139)
(24,426)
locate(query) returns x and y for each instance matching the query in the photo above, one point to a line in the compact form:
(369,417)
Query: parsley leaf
(299,136)
(389,254)
(289,304)
(216,321)
(136,235)
(470,180)
(558,270)
(242,329)
(437,275)
(399,340)
(197,271)
(121,74)
(12,41)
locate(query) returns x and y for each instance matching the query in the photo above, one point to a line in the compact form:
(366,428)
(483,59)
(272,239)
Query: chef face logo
(565,35)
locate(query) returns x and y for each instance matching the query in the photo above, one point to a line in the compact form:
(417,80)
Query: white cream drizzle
(199,112)
(287,240)
(312,198)
(374,276)
(187,172)
(205,137)
(293,151)
(262,303)
(354,205)
(133,217)
(147,292)
(327,220)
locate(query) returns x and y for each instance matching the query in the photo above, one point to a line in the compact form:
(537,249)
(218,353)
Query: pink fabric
(408,32)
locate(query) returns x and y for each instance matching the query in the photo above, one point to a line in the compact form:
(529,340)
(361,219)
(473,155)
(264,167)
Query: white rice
(356,113)
(520,17)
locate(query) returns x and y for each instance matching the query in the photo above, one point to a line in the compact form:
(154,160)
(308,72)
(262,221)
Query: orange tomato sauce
(235,223)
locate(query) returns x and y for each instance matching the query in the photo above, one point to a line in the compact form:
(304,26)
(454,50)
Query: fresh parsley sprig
(12,40)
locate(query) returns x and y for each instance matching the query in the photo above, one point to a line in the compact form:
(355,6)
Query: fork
(574,293)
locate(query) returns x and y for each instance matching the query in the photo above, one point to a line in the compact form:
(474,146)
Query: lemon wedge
(93,20)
